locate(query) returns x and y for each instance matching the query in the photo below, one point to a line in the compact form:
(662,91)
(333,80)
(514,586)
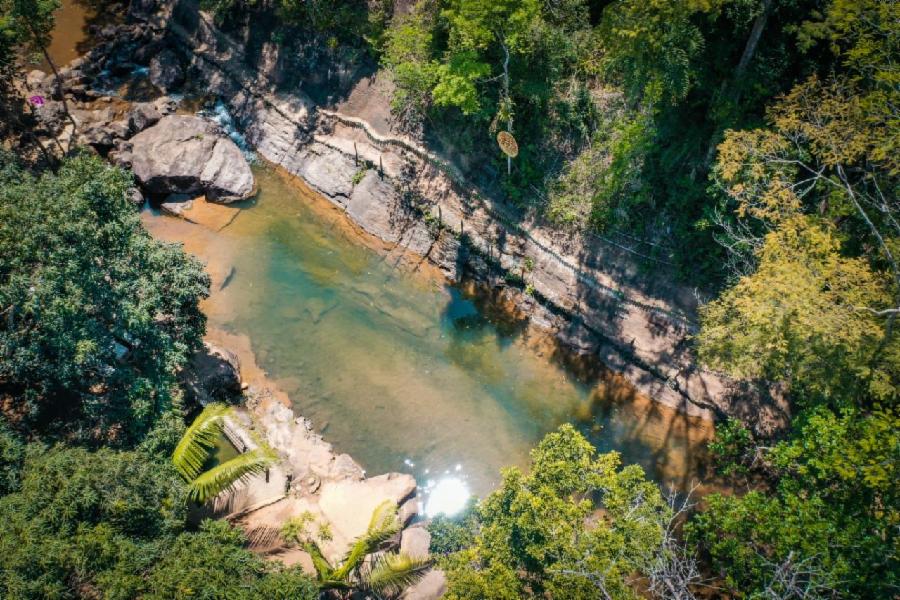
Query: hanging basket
(508,144)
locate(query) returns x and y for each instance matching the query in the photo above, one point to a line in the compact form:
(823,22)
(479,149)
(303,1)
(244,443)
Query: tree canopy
(97,316)
(578,525)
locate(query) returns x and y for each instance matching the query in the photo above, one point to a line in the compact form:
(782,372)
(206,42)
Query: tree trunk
(733,92)
(755,34)
(62,95)
(506,96)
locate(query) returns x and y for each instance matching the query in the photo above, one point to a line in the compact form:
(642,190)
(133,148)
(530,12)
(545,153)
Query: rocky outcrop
(430,587)
(213,375)
(142,116)
(190,155)
(166,71)
(331,487)
(415,541)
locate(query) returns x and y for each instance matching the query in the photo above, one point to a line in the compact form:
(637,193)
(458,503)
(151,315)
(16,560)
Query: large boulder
(415,541)
(349,505)
(142,116)
(166,71)
(190,155)
(430,587)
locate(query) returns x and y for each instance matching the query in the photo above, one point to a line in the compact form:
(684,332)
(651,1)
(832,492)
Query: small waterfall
(222,117)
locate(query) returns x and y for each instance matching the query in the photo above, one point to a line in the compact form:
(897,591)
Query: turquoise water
(400,369)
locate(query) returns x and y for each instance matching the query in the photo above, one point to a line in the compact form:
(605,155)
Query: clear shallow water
(399,369)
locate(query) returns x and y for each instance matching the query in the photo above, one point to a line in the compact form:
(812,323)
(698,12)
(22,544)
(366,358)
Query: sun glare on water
(447,496)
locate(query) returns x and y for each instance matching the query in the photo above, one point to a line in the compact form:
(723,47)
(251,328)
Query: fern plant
(194,450)
(385,575)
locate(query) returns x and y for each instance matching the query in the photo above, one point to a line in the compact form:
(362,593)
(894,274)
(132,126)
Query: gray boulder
(134,196)
(431,587)
(119,129)
(166,71)
(415,541)
(142,116)
(165,105)
(35,79)
(190,155)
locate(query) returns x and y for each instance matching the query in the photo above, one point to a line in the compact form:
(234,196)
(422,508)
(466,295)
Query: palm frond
(194,447)
(390,574)
(223,477)
(382,526)
(325,574)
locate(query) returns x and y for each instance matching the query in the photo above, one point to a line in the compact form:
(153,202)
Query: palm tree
(193,451)
(386,574)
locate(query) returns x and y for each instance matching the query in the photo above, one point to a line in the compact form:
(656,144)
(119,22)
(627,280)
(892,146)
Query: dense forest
(750,144)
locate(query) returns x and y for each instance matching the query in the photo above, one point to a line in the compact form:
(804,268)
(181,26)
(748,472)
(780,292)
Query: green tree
(829,528)
(12,454)
(651,46)
(192,454)
(484,35)
(97,316)
(213,563)
(408,56)
(113,524)
(577,526)
(814,228)
(76,513)
(804,316)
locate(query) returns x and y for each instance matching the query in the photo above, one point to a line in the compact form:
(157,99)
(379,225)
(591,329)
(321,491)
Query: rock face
(214,374)
(431,587)
(189,155)
(142,116)
(166,71)
(415,541)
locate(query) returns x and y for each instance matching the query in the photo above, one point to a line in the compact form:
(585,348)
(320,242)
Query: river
(397,367)
(391,363)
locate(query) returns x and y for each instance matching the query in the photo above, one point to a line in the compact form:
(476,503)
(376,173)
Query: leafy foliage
(452,534)
(31,21)
(12,454)
(802,316)
(578,526)
(830,525)
(226,476)
(213,564)
(76,512)
(813,238)
(193,453)
(112,524)
(98,316)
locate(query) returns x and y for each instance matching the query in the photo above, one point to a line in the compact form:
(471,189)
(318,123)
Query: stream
(397,367)
(390,362)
